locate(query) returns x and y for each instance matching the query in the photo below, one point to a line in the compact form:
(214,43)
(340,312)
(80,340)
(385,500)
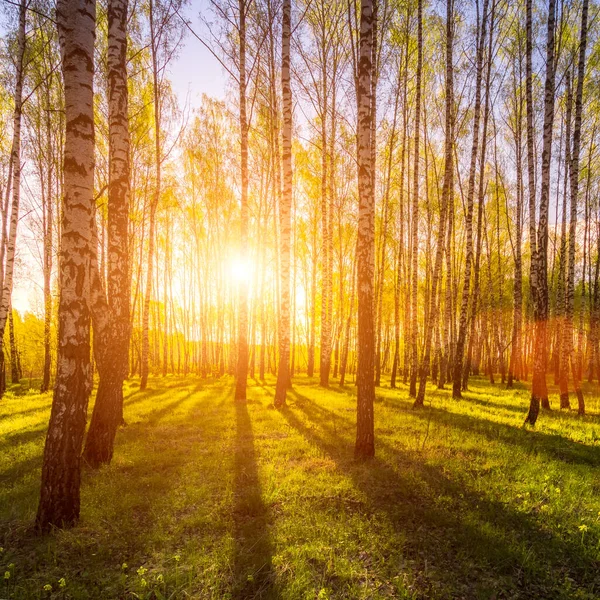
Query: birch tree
(8,239)
(285,210)
(61,471)
(539,260)
(365,433)
(111,308)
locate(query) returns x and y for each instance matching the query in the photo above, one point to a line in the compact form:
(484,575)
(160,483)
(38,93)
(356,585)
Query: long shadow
(23,388)
(27,411)
(11,440)
(443,522)
(491,403)
(470,396)
(167,407)
(554,446)
(253,569)
(130,520)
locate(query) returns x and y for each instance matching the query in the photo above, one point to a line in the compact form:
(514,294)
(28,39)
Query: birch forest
(326,325)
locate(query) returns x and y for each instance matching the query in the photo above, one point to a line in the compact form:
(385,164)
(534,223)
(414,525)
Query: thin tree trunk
(447,195)
(415,209)
(565,332)
(462,329)
(8,262)
(515,352)
(480,204)
(365,432)
(153,206)
(242,345)
(285,209)
(539,283)
(574,180)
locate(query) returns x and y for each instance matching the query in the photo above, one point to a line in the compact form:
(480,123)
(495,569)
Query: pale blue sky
(196,70)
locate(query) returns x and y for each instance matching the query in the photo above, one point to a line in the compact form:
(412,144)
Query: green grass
(209,499)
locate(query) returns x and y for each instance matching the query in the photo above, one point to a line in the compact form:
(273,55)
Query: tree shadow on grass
(458,541)
(551,445)
(471,396)
(21,489)
(253,569)
(140,509)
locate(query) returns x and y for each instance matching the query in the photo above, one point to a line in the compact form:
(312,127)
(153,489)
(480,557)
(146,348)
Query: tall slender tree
(447,194)
(8,241)
(365,427)
(463,322)
(242,339)
(574,189)
(110,310)
(285,210)
(539,268)
(415,208)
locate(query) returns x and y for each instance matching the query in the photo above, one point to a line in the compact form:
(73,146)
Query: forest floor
(207,498)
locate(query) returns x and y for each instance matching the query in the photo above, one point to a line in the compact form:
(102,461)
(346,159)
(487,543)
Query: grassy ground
(209,499)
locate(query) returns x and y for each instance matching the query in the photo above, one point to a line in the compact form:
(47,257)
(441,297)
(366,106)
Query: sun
(241,269)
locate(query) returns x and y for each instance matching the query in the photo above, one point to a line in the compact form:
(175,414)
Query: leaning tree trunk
(283,372)
(539,389)
(365,248)
(61,470)
(111,314)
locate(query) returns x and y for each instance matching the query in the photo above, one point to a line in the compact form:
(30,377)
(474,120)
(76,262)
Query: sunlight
(241,269)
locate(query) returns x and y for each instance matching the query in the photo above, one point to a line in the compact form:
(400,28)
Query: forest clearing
(208,498)
(299,299)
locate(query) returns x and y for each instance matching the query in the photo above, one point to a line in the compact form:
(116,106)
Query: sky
(194,72)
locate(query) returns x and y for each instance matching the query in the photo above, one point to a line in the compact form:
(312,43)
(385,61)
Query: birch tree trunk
(153,206)
(283,372)
(111,313)
(447,195)
(415,208)
(462,328)
(48,229)
(563,333)
(574,181)
(480,206)
(399,279)
(242,345)
(8,262)
(61,470)
(365,428)
(539,390)
(515,351)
